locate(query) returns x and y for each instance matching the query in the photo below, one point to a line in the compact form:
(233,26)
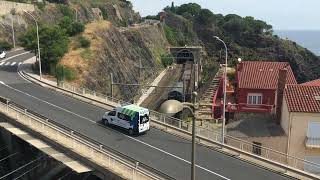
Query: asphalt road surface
(165,152)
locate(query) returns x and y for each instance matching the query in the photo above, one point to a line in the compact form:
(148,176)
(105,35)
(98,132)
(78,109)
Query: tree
(72,28)
(53,44)
(192,8)
(206,17)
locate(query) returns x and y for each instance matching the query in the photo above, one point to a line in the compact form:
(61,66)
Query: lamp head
(239,60)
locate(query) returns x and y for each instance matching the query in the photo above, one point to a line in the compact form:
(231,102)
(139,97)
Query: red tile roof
(301,98)
(312,83)
(263,75)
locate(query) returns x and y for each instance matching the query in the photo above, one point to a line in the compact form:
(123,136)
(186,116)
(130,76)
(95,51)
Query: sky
(281,14)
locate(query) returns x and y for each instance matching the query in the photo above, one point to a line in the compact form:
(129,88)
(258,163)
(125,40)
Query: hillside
(246,38)
(106,44)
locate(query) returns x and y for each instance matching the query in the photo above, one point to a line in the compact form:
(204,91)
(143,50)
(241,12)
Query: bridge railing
(207,135)
(105,157)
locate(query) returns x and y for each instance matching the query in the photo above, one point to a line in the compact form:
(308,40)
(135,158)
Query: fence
(206,134)
(105,157)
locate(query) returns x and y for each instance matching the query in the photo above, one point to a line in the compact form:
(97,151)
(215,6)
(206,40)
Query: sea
(309,39)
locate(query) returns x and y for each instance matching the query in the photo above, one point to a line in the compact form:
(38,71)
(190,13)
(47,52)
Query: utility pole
(40,71)
(13,12)
(193,156)
(224,89)
(140,71)
(111,79)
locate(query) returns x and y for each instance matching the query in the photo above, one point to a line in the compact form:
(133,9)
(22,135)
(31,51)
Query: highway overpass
(162,151)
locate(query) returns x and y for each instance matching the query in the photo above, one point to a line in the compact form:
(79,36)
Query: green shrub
(72,28)
(166,60)
(171,35)
(104,12)
(65,73)
(83,42)
(4,45)
(66,10)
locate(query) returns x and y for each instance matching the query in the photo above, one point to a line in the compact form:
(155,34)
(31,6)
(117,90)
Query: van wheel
(106,122)
(131,132)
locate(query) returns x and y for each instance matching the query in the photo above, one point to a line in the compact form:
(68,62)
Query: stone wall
(6,7)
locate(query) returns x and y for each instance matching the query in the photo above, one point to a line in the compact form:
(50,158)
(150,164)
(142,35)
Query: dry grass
(80,58)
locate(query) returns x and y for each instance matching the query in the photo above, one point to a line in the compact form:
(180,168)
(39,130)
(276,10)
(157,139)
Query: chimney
(239,66)
(280,89)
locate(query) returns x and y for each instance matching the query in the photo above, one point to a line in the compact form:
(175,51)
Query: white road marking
(46,102)
(7,63)
(19,63)
(12,64)
(15,56)
(1,63)
(158,149)
(177,157)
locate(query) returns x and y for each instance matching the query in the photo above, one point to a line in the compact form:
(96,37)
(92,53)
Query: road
(165,152)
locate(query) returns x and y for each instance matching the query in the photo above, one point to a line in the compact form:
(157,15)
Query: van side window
(124,117)
(112,113)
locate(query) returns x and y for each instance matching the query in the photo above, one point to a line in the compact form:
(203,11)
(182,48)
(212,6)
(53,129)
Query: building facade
(258,84)
(300,119)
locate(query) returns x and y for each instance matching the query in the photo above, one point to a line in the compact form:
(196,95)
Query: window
(144,119)
(313,135)
(254,98)
(124,117)
(112,113)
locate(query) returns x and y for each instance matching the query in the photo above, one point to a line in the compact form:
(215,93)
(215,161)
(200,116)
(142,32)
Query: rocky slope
(118,51)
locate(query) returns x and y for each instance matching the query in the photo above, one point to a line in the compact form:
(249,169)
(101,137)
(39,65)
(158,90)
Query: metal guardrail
(209,135)
(103,156)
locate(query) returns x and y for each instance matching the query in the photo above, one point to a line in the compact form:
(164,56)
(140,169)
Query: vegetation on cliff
(246,38)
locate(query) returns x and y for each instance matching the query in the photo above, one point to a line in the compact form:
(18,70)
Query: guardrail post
(73,140)
(25,111)
(106,99)
(94,94)
(7,106)
(180,124)
(267,153)
(83,91)
(135,170)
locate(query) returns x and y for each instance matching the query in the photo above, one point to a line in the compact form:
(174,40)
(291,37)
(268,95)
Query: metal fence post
(7,106)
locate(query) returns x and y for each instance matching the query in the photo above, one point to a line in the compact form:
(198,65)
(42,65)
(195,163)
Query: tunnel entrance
(184,56)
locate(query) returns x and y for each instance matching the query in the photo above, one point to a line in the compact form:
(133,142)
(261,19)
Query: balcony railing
(243,107)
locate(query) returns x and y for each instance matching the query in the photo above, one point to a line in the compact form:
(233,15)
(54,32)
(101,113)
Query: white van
(2,54)
(131,117)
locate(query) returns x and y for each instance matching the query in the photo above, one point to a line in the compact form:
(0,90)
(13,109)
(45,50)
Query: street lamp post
(38,41)
(193,151)
(224,89)
(13,12)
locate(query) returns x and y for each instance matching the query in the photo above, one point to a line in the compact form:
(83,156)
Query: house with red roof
(312,83)
(258,84)
(300,119)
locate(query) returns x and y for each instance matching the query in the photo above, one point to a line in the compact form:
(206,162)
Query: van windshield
(144,119)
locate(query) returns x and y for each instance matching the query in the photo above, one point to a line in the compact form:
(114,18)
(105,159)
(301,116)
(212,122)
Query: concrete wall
(299,129)
(6,7)
(285,117)
(277,143)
